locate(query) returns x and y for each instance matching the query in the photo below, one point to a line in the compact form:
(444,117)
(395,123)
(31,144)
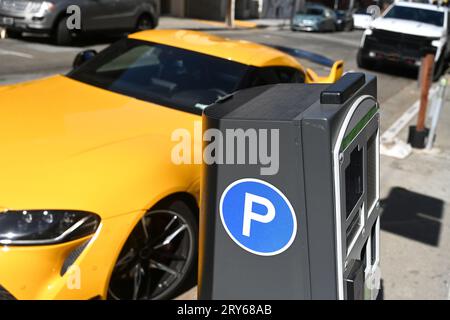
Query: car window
(314,11)
(362,11)
(340,13)
(416,14)
(162,74)
(136,57)
(273,75)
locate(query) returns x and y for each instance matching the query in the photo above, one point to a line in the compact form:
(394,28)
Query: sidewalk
(415,236)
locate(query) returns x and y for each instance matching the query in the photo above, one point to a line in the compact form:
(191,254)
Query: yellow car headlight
(42,227)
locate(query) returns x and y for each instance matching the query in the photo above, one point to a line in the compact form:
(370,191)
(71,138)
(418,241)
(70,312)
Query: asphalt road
(405,274)
(28,58)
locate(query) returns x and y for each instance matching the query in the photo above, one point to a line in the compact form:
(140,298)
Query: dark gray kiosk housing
(329,172)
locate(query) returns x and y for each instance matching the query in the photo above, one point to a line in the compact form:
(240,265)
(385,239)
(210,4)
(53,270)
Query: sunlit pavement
(415,236)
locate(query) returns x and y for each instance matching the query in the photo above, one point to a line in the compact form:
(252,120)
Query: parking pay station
(290,207)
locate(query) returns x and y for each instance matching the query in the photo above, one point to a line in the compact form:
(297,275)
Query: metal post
(427,65)
(230,13)
(437,112)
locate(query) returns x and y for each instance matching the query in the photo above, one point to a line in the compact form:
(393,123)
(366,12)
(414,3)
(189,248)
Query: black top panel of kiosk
(290,101)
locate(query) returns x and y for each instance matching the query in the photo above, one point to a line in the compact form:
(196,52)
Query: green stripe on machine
(359,126)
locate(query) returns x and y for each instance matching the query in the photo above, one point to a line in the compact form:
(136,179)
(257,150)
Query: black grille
(5,295)
(72,257)
(404,44)
(396,38)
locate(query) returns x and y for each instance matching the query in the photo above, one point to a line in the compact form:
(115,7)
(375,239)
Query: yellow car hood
(69,145)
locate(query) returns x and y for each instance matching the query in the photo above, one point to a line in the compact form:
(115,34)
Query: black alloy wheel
(159,258)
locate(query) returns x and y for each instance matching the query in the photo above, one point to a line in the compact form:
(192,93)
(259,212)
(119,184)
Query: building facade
(249,9)
(213,9)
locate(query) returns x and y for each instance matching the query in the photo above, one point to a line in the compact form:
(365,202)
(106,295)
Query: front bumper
(74,270)
(26,22)
(398,48)
(302,27)
(397,58)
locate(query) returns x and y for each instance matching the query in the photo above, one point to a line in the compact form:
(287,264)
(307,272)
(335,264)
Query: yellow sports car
(92,206)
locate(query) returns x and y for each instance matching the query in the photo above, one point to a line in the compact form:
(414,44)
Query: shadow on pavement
(412,215)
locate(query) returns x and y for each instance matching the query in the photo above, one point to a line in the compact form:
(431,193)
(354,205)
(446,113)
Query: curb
(243,25)
(238,23)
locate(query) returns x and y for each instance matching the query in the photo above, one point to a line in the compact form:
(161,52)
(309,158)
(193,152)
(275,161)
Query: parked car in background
(361,19)
(404,33)
(314,17)
(50,17)
(344,20)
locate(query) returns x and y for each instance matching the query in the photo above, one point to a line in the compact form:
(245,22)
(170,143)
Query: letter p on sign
(250,215)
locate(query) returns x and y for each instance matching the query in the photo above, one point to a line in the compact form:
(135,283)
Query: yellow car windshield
(162,74)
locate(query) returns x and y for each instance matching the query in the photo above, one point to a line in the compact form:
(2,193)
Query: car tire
(62,35)
(186,217)
(144,22)
(363,62)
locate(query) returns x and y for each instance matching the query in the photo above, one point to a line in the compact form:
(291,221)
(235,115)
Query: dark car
(344,20)
(50,17)
(314,17)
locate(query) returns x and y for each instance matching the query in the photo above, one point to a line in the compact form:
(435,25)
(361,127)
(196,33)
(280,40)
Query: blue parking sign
(258,217)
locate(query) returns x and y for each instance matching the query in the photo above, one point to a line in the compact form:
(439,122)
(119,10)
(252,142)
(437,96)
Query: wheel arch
(186,197)
(61,15)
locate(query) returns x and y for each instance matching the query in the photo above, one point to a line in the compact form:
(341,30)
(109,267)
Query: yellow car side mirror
(335,74)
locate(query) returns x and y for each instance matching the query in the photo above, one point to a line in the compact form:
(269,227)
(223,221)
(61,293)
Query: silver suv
(50,17)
